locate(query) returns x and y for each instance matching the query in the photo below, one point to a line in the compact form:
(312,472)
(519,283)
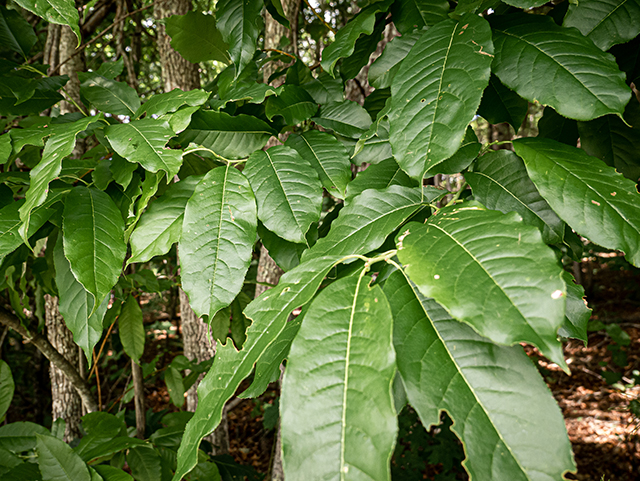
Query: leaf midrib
(215,264)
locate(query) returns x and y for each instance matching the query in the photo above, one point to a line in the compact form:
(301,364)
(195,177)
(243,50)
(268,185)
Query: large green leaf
(325,89)
(606,22)
(131,328)
(343,46)
(577,312)
(105,94)
(145,463)
(502,410)
(379,177)
(20,436)
(570,74)
(431,103)
(240,23)
(369,218)
(23,96)
(284,253)
(269,313)
(364,47)
(385,67)
(230,137)
(218,233)
(62,140)
(161,104)
(345,118)
(93,235)
(144,141)
(58,462)
(341,367)
(500,104)
(409,15)
(499,181)
(288,191)
(161,225)
(464,156)
(61,12)
(76,305)
(109,473)
(196,37)
(293,104)
(328,156)
(15,32)
(7,387)
(491,271)
(595,200)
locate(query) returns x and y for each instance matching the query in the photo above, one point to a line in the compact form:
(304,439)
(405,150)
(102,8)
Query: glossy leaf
(196,37)
(7,387)
(341,367)
(491,271)
(61,12)
(131,328)
(144,141)
(379,177)
(293,104)
(230,137)
(606,22)
(500,104)
(577,312)
(345,118)
(409,15)
(327,156)
(502,410)
(288,191)
(500,182)
(385,67)
(587,194)
(107,95)
(428,88)
(161,104)
(240,22)
(161,224)
(58,462)
(93,235)
(218,232)
(15,32)
(562,73)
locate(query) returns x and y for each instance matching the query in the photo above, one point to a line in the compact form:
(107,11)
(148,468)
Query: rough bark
(273,32)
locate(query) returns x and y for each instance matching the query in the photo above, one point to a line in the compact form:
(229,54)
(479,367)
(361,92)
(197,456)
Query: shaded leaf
(293,103)
(109,473)
(15,32)
(161,104)
(58,462)
(175,386)
(554,126)
(20,436)
(196,37)
(409,15)
(284,253)
(345,118)
(144,462)
(274,7)
(240,22)
(325,89)
(364,47)
(383,70)
(577,312)
(464,156)
(107,95)
(500,104)
(61,12)
(379,177)
(131,328)
(7,387)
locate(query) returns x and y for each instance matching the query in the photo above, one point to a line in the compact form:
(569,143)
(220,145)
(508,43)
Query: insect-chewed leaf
(502,410)
(491,271)
(341,368)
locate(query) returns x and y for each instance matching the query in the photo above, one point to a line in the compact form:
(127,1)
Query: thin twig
(95,360)
(280,52)
(95,363)
(320,18)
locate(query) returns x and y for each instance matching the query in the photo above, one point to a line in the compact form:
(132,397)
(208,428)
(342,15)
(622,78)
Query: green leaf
(379,177)
(325,89)
(570,74)
(274,7)
(345,118)
(144,462)
(493,393)
(500,104)
(577,313)
(385,67)
(240,23)
(499,181)
(93,235)
(491,271)
(218,233)
(287,189)
(144,141)
(196,37)
(428,88)
(23,472)
(20,436)
(77,305)
(464,156)
(22,96)
(60,144)
(122,170)
(364,47)
(60,12)
(554,126)
(6,388)
(369,218)
(341,368)
(328,157)
(171,101)
(525,4)
(102,424)
(175,386)
(131,328)
(107,95)
(253,93)
(58,462)
(606,22)
(409,15)
(293,103)
(344,45)
(284,253)
(269,313)
(161,224)
(109,473)
(587,194)
(230,137)
(15,32)
(108,449)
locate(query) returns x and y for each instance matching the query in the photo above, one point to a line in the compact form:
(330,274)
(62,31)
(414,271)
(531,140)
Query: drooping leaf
(15,32)
(464,156)
(7,387)
(161,104)
(230,137)
(293,104)
(288,191)
(379,177)
(145,463)
(587,194)
(269,313)
(410,15)
(428,88)
(131,328)
(20,436)
(175,385)
(606,22)
(196,37)
(161,224)
(502,410)
(345,118)
(93,235)
(240,22)
(343,46)
(577,312)
(109,473)
(327,156)
(325,89)
(58,462)
(554,126)
(383,70)
(500,104)
(107,95)
(144,141)
(60,12)
(284,253)
(500,182)
(76,305)
(562,73)
(341,368)
(218,232)
(491,271)
(23,96)
(364,47)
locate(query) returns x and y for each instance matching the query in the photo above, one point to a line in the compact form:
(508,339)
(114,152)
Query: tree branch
(57,359)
